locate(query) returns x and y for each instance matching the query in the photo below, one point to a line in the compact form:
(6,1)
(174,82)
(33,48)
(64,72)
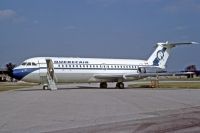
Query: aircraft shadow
(84,87)
(66,88)
(29,89)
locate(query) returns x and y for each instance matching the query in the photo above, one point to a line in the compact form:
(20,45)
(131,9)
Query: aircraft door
(42,73)
(50,68)
(103,66)
(141,70)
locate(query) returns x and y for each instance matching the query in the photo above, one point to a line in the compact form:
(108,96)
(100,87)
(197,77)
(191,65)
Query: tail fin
(162,52)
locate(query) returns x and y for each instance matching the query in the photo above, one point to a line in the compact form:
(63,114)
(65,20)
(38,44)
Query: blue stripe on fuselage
(22,72)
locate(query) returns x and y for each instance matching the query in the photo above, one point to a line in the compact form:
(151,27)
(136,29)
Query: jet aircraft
(52,70)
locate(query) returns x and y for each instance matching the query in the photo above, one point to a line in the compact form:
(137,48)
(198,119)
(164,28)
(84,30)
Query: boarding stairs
(51,75)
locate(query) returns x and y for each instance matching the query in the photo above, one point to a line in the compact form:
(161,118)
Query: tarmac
(86,108)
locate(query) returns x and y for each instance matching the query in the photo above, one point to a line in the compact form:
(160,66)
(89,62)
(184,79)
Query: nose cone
(18,74)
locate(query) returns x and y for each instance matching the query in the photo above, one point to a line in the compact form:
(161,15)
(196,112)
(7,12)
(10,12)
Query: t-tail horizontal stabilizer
(162,51)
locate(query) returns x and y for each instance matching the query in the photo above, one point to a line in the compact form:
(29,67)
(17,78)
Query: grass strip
(13,86)
(172,85)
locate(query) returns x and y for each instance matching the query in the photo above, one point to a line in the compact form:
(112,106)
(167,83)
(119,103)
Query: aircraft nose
(18,74)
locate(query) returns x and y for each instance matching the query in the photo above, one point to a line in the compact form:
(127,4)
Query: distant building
(3,76)
(192,68)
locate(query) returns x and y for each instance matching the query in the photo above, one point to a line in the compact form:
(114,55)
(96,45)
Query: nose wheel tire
(103,85)
(45,87)
(120,85)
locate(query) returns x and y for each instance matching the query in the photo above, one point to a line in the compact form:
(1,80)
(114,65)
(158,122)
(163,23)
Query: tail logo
(160,56)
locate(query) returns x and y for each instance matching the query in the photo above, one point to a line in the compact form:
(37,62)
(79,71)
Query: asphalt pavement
(86,108)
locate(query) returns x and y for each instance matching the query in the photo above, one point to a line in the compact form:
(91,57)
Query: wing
(115,78)
(109,77)
(159,74)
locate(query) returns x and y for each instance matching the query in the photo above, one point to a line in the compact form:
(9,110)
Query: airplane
(51,70)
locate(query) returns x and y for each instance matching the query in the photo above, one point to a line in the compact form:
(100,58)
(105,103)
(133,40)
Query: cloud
(150,1)
(7,14)
(36,21)
(181,28)
(111,2)
(104,3)
(183,6)
(11,15)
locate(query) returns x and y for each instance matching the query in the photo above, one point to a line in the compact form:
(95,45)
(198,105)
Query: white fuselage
(68,69)
(76,69)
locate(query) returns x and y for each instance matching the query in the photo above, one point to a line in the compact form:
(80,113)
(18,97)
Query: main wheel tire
(103,85)
(120,85)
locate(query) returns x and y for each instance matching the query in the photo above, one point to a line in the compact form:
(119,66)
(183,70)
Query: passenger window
(29,64)
(34,64)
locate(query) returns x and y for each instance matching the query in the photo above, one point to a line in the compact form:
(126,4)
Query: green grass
(163,85)
(12,86)
(192,85)
(179,79)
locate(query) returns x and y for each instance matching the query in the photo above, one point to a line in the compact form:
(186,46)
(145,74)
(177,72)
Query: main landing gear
(119,85)
(103,85)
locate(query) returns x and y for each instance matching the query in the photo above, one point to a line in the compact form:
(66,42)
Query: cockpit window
(29,64)
(34,64)
(24,63)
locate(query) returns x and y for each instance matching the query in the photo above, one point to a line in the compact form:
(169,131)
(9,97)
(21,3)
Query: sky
(99,29)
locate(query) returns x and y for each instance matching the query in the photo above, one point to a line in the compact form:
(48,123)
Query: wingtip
(195,42)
